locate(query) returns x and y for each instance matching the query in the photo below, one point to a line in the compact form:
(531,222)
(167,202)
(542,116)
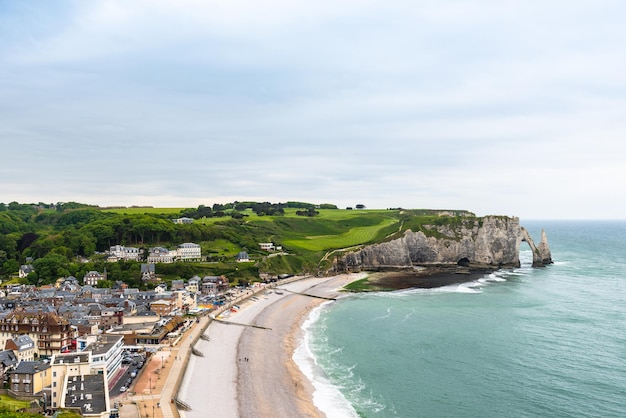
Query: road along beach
(249,371)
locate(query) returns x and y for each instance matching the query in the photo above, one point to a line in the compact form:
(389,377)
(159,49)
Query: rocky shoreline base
(423,279)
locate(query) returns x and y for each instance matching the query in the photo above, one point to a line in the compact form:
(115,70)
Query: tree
(51,267)
(10,267)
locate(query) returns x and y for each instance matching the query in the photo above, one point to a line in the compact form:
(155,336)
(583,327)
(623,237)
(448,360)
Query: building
(106,352)
(183,220)
(119,252)
(243,257)
(78,382)
(51,333)
(189,252)
(161,255)
(23,346)
(111,317)
(267,246)
(214,284)
(148,272)
(178,284)
(93,277)
(29,378)
(162,307)
(8,361)
(193,285)
(25,270)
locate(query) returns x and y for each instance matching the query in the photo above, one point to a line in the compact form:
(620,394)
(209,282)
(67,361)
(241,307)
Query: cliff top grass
(55,237)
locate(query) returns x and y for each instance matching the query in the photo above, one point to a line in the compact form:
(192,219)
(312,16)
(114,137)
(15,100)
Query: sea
(522,342)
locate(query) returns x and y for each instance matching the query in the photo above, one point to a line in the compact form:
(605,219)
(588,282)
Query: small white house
(267,246)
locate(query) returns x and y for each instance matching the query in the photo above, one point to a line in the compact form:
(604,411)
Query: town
(72,345)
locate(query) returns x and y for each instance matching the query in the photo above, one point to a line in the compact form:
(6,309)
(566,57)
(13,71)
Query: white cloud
(510,107)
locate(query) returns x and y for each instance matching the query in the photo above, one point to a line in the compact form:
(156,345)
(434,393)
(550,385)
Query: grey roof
(103,344)
(71,358)
(24,342)
(7,358)
(87,393)
(30,367)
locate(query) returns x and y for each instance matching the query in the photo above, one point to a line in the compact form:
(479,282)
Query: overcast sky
(495,106)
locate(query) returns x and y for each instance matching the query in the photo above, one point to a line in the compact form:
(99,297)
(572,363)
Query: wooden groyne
(239,324)
(305,294)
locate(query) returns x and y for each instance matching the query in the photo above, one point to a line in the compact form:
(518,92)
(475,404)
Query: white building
(161,255)
(183,220)
(189,251)
(267,246)
(125,253)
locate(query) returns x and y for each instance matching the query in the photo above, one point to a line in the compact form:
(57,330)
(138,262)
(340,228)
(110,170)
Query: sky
(498,107)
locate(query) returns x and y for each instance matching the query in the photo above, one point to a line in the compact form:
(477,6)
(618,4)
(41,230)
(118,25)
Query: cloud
(490,106)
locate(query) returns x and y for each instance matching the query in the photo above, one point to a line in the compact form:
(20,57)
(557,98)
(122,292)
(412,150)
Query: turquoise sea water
(548,342)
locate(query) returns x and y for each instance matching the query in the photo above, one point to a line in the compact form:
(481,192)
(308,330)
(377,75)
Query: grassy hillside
(57,237)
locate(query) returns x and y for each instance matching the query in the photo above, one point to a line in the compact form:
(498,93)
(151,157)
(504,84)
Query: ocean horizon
(520,342)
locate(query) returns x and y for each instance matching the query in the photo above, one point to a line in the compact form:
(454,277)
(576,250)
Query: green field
(354,236)
(141,211)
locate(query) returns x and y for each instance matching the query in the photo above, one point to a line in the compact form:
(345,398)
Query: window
(54,374)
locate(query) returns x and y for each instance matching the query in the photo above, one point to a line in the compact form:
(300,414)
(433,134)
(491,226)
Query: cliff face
(492,241)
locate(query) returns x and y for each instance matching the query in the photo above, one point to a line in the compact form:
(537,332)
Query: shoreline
(223,382)
(250,371)
(278,377)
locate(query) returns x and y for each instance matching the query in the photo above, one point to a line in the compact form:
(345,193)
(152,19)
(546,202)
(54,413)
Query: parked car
(123,389)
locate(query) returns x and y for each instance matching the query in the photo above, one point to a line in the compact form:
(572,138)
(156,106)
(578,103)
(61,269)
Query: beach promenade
(156,385)
(244,359)
(247,368)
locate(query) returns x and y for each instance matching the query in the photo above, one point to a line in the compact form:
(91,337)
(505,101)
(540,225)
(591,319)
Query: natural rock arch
(541,253)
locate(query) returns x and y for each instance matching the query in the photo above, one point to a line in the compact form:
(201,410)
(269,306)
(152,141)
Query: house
(214,284)
(189,252)
(183,220)
(178,284)
(119,252)
(148,272)
(29,378)
(25,270)
(111,317)
(93,277)
(267,246)
(51,333)
(68,284)
(161,255)
(162,307)
(243,257)
(8,361)
(193,284)
(23,346)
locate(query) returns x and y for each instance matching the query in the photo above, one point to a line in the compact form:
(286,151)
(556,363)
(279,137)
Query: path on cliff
(354,247)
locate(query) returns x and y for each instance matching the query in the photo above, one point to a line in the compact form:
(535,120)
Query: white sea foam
(326,397)
(387,315)
(407,316)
